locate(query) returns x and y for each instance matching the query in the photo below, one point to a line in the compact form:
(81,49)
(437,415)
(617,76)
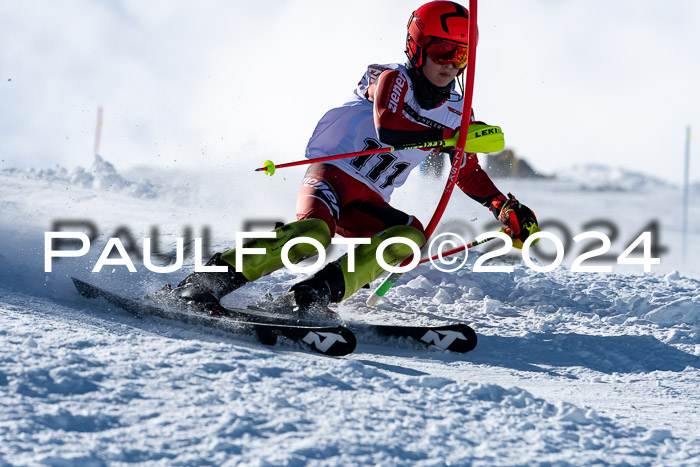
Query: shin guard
(367,268)
(254,266)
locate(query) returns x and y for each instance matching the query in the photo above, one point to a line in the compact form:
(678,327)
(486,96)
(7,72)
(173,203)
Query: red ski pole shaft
(430,144)
(329,158)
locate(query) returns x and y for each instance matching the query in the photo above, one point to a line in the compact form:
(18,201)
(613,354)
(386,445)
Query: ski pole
(481,138)
(461,144)
(387,283)
(456,250)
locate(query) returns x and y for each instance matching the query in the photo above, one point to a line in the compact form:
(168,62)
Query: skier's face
(439,75)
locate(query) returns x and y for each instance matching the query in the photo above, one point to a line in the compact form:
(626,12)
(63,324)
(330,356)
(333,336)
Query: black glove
(517,218)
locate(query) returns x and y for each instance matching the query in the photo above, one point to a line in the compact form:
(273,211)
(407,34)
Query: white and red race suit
(352,195)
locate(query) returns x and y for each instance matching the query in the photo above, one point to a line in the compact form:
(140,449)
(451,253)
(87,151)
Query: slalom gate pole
(459,153)
(684,219)
(98,131)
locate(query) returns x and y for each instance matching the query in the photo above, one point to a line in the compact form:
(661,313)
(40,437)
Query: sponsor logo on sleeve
(396,92)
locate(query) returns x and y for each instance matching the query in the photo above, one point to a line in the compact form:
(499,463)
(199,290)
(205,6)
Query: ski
(455,337)
(323,337)
(333,340)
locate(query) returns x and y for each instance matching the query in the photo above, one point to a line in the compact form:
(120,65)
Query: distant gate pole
(98,131)
(685,193)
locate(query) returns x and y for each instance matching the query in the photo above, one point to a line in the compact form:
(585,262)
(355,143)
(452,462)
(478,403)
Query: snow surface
(570,369)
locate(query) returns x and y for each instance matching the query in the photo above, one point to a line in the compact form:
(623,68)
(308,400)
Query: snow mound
(101,175)
(595,177)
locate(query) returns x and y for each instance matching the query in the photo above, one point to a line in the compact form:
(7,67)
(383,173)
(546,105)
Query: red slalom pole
(464,127)
(459,154)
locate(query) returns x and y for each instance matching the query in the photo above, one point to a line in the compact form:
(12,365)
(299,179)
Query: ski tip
(458,337)
(469,341)
(343,348)
(84,289)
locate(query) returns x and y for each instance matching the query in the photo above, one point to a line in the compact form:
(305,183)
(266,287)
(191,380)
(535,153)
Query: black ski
(334,340)
(457,337)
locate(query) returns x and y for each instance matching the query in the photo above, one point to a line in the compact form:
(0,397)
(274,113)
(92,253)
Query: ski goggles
(444,52)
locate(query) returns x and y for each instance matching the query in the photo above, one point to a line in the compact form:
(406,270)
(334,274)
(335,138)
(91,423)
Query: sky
(228,84)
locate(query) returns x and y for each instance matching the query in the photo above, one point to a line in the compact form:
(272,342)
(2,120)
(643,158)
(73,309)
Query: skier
(393,104)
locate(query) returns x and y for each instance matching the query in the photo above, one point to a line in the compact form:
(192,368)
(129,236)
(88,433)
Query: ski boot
(334,283)
(313,295)
(205,289)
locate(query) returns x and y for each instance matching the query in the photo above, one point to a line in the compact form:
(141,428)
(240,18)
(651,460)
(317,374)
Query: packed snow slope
(571,368)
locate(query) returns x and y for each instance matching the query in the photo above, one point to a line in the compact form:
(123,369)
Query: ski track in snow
(570,369)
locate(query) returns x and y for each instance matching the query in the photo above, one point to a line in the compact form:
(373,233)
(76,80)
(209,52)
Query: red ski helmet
(440,30)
